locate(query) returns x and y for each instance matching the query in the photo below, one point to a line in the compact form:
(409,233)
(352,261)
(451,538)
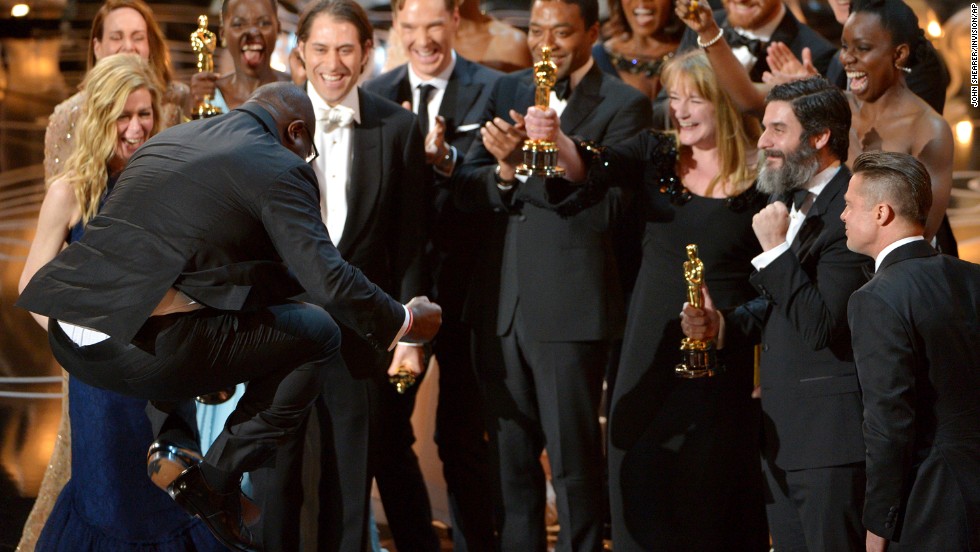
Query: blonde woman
(108,503)
(683,453)
(119,27)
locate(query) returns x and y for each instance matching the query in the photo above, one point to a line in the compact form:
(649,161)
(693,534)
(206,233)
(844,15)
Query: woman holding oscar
(683,453)
(249,29)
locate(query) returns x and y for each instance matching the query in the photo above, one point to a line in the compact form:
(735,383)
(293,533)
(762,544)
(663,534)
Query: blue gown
(109,504)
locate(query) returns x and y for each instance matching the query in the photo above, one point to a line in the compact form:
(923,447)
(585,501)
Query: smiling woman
(249,29)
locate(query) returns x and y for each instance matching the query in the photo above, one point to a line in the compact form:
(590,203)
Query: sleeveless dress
(109,504)
(684,470)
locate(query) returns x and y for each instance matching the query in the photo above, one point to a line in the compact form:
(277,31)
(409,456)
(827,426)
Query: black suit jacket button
(893,509)
(521,218)
(765,347)
(888,525)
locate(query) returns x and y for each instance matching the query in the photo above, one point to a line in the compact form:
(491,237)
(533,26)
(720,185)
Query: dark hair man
(813,452)
(546,300)
(449,93)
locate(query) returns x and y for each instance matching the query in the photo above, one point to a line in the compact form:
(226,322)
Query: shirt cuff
(406,325)
(763,259)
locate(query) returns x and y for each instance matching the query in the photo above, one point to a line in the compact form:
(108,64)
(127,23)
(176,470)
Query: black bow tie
(562,89)
(798,199)
(735,39)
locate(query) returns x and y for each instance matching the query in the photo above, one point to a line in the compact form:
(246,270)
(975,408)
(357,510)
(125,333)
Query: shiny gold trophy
(541,156)
(402,380)
(203,42)
(699,359)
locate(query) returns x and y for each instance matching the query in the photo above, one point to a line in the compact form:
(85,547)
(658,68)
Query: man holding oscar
(545,300)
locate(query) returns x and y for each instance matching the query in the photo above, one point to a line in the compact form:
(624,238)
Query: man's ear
(368,48)
(821,139)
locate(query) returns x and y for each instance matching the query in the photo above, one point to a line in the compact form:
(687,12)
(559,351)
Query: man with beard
(813,449)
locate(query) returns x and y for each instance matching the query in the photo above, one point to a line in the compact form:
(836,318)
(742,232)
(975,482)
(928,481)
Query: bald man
(181,285)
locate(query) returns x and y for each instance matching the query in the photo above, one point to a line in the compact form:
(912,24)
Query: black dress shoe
(220,511)
(166,460)
(217,397)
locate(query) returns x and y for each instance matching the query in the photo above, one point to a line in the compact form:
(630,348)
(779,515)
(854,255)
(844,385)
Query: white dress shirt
(796,218)
(894,245)
(334,142)
(764,33)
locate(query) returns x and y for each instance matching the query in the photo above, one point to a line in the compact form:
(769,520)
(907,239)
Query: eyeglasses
(313,152)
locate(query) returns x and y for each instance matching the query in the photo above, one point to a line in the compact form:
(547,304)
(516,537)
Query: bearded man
(813,449)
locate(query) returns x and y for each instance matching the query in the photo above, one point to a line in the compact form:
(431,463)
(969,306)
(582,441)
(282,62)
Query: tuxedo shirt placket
(333,174)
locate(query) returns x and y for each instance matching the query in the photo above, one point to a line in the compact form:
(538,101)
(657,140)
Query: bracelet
(410,344)
(713,41)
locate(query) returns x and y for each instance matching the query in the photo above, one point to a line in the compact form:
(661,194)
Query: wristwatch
(501,183)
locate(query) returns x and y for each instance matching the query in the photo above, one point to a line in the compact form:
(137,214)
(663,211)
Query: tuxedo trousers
(281,350)
(814,510)
(545,395)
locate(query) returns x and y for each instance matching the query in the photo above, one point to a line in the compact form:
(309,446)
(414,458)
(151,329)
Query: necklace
(635,66)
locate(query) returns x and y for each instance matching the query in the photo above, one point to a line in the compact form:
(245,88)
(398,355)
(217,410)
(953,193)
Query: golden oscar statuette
(541,156)
(203,42)
(698,357)
(402,380)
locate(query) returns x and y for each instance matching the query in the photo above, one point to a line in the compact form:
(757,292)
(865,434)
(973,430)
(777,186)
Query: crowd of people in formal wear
(334,228)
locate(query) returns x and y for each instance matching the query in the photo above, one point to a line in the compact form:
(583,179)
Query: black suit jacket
(219,209)
(561,269)
(454,235)
(810,393)
(916,330)
(790,32)
(387,222)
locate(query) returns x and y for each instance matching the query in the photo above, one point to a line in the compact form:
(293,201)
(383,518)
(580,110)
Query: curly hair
(107,88)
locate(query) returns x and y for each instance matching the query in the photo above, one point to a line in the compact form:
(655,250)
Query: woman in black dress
(684,470)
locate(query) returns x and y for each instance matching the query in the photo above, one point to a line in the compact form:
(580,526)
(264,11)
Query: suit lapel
(582,101)
(913,250)
(365,176)
(814,222)
(461,95)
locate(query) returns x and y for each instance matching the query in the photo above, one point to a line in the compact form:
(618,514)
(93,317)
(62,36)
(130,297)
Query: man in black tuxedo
(813,451)
(187,270)
(456,92)
(374,189)
(545,299)
(915,328)
(749,26)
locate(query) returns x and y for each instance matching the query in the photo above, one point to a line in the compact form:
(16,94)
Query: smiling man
(374,188)
(813,451)
(546,299)
(751,25)
(449,93)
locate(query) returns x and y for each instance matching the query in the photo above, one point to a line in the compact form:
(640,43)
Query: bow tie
(562,89)
(801,199)
(736,39)
(336,116)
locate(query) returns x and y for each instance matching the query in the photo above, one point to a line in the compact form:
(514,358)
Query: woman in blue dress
(109,504)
